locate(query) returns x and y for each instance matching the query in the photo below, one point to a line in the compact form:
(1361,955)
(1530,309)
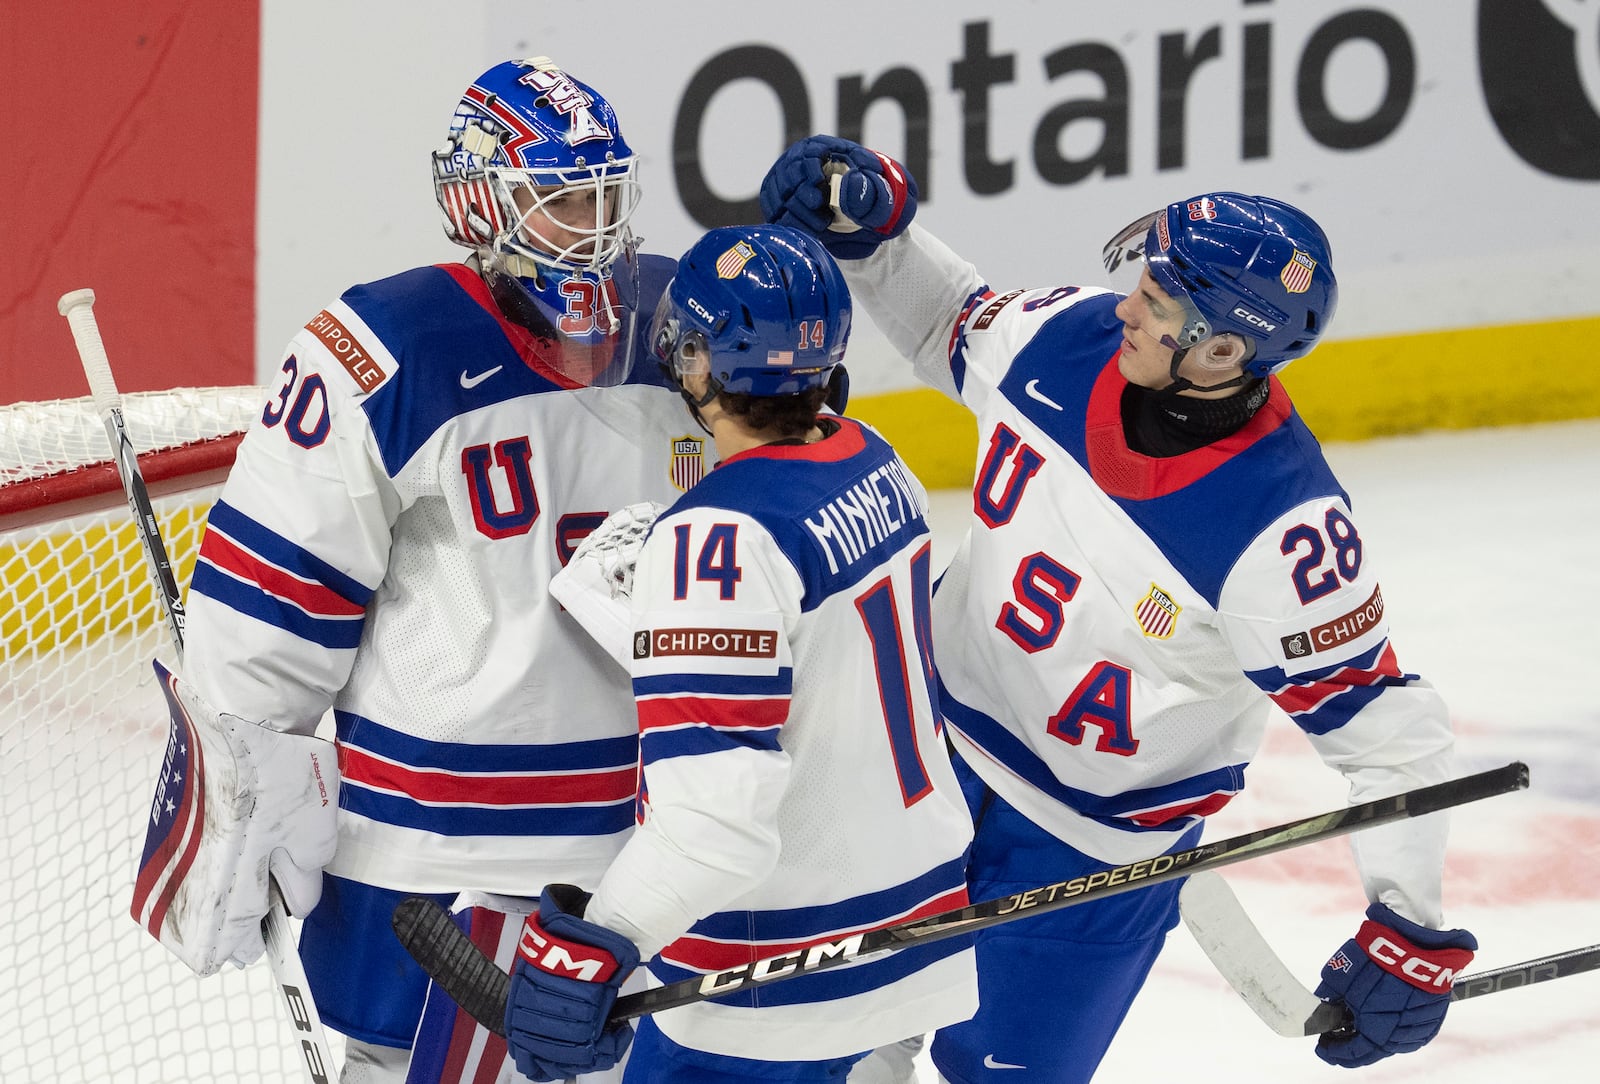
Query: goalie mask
(1245,265)
(535,178)
(761,310)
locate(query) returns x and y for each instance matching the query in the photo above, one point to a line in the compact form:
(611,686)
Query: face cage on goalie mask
(599,240)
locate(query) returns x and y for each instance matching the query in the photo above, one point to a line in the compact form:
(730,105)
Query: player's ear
(1222,353)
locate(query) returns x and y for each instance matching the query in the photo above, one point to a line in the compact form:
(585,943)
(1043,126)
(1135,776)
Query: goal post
(85,993)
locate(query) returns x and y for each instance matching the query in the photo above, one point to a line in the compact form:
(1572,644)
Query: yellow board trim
(1354,390)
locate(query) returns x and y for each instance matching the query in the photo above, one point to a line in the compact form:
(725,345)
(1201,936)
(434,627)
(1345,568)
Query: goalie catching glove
(850,198)
(563,984)
(1395,978)
(596,585)
(237,805)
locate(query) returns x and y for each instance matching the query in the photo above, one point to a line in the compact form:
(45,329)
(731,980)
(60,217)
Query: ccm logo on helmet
(1252,319)
(701,311)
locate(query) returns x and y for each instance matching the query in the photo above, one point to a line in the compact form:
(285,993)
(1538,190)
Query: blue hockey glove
(563,984)
(877,198)
(1395,977)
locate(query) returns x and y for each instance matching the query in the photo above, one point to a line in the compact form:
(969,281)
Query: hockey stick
(287,970)
(480,988)
(1242,956)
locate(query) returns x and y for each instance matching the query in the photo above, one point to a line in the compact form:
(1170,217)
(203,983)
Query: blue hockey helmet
(762,310)
(1248,265)
(526,144)
(536,178)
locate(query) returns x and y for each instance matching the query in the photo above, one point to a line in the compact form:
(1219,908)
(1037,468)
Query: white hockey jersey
(796,786)
(1116,630)
(383,546)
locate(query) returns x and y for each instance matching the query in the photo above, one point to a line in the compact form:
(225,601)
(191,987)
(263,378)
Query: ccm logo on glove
(1433,970)
(557,956)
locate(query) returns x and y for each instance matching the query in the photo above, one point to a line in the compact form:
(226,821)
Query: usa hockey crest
(1296,274)
(1157,614)
(732,262)
(688,461)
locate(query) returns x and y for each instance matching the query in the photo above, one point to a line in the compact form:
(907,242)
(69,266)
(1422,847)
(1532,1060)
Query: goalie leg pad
(238,805)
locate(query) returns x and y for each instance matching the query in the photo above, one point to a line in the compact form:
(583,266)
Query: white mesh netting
(85,993)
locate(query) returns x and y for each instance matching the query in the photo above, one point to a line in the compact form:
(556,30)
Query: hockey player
(1159,561)
(795,785)
(435,446)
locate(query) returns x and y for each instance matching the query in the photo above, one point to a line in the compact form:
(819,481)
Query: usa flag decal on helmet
(731,262)
(1296,274)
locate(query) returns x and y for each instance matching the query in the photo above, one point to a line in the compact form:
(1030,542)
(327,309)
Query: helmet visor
(1139,246)
(680,351)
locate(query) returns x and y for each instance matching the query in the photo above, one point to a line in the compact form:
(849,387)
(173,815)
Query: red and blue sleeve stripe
(257,572)
(696,714)
(958,338)
(1322,701)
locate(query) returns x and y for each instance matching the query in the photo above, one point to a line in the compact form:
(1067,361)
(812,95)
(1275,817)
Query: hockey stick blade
(439,950)
(460,968)
(1242,956)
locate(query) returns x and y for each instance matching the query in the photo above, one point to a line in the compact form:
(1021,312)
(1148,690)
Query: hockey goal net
(85,993)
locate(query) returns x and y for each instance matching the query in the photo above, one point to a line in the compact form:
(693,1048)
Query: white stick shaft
(290,975)
(287,969)
(78,308)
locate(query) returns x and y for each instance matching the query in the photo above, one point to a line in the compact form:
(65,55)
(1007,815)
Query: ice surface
(1488,543)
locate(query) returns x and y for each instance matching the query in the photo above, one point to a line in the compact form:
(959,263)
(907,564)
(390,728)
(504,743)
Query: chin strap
(1182,383)
(515,303)
(1213,415)
(694,411)
(713,389)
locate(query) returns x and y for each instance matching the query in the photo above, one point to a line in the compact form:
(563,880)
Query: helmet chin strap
(522,267)
(516,304)
(695,403)
(1182,384)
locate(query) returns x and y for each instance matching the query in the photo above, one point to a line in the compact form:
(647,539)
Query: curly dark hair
(789,415)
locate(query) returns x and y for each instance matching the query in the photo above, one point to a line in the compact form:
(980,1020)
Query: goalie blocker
(237,805)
